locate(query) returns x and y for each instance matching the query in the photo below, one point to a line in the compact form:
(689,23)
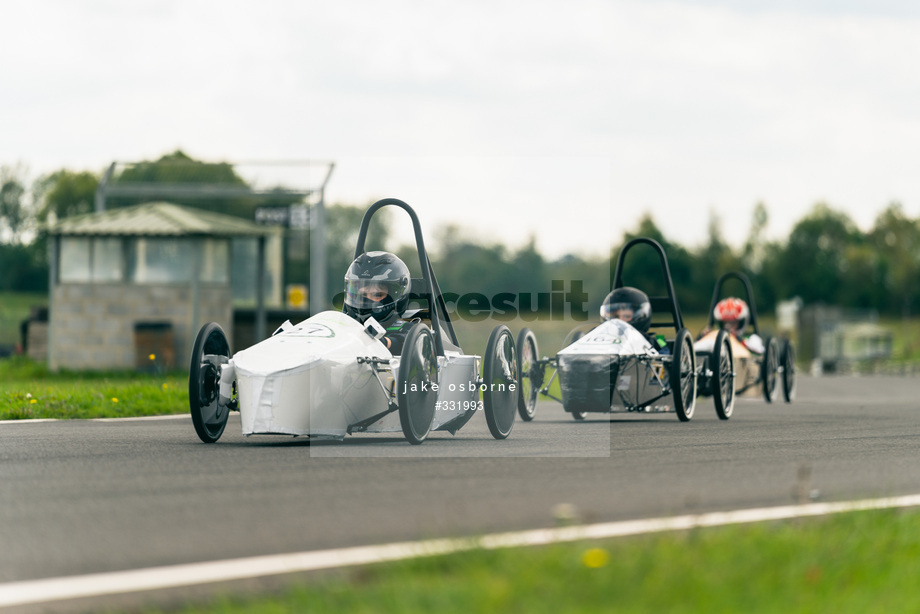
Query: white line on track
(145,418)
(73,587)
(29,421)
(133,419)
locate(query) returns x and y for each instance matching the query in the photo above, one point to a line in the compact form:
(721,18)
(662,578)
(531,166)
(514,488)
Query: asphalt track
(80,497)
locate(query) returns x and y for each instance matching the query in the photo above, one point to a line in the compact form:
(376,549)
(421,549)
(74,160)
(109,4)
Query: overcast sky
(565,121)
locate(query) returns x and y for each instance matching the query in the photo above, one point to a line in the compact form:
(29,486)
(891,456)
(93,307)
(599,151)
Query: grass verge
(29,391)
(854,562)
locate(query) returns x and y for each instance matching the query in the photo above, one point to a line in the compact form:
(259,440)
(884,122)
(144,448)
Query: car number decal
(314,330)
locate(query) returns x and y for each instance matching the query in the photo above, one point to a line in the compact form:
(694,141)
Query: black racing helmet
(630,305)
(377,284)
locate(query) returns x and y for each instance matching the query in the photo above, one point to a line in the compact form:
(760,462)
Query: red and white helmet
(732,311)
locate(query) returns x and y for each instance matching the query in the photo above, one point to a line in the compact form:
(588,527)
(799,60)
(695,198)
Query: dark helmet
(373,275)
(630,305)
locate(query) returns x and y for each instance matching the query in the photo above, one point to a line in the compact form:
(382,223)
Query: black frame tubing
(668,302)
(749,290)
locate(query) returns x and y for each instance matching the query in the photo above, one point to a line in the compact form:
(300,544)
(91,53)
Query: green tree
(179,168)
(343,223)
(593,273)
(754,250)
(467,266)
(24,267)
(64,193)
(23,251)
(708,263)
(758,260)
(814,263)
(16,219)
(529,272)
(642,268)
(895,243)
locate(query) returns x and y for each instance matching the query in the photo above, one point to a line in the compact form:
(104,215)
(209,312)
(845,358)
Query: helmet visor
(368,295)
(621,311)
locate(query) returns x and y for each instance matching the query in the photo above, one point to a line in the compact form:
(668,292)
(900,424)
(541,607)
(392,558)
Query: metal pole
(319,300)
(54,249)
(260,291)
(196,293)
(318,257)
(100,189)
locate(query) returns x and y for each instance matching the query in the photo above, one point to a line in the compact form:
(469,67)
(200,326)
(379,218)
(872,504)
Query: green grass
(29,391)
(14,308)
(905,346)
(857,562)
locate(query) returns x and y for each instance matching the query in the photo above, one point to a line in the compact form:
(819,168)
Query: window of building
(155,260)
(91,259)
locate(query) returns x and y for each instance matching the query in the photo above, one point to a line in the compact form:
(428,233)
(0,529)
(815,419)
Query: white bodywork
(746,363)
(608,370)
(306,380)
(613,337)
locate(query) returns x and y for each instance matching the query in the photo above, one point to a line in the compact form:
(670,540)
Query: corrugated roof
(159,219)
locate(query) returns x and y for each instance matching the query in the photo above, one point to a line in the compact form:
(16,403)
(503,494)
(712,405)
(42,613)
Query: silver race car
(632,362)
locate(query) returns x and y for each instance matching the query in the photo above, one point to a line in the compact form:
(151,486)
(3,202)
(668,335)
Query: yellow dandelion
(32,401)
(152,357)
(595,557)
(114,399)
(165,386)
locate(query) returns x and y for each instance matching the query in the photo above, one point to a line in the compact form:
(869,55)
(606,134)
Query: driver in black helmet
(631,305)
(377,285)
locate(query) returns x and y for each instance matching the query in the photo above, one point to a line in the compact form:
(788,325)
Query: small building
(131,287)
(834,339)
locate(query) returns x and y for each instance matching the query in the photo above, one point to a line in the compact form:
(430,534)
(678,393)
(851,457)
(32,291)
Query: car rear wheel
(530,373)
(499,375)
(418,374)
(787,365)
(683,376)
(721,363)
(769,369)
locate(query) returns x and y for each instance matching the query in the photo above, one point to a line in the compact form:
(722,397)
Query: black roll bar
(432,292)
(749,291)
(658,303)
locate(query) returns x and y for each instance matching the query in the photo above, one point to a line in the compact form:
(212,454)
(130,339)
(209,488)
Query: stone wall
(93,325)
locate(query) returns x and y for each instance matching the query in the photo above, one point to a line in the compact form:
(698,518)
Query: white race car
(613,367)
(330,376)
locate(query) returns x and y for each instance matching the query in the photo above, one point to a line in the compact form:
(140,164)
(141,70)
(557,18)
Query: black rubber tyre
(499,375)
(721,363)
(418,370)
(530,373)
(211,350)
(683,375)
(787,365)
(769,369)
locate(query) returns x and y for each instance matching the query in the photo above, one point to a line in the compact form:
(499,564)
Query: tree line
(826,258)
